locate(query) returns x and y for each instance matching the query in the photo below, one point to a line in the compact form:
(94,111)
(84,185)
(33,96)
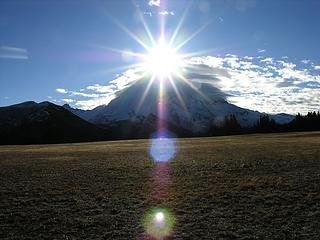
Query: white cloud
(261,50)
(166,13)
(13,52)
(61,90)
(68,100)
(154,3)
(264,84)
(96,95)
(92,103)
(267,60)
(147,13)
(102,89)
(317,67)
(82,94)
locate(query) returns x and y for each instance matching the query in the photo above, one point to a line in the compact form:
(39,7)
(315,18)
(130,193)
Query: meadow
(260,186)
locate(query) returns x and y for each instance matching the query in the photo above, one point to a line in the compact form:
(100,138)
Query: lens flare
(163,147)
(159,217)
(158,223)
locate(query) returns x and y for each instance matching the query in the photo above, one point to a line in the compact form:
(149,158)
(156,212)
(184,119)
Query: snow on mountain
(84,114)
(202,105)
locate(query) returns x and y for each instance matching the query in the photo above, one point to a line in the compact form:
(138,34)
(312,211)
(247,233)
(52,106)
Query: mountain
(45,122)
(203,105)
(186,111)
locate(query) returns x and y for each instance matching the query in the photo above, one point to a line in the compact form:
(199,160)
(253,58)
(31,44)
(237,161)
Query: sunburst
(162,59)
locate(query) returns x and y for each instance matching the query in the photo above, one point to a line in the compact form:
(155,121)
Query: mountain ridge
(196,109)
(32,123)
(135,113)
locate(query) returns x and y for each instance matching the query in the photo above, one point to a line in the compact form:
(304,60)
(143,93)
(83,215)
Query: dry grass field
(238,187)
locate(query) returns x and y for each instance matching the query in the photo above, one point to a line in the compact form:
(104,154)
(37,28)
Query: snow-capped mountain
(198,107)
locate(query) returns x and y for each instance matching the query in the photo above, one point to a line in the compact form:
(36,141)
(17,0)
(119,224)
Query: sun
(162,60)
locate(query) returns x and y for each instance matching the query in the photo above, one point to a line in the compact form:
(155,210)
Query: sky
(263,54)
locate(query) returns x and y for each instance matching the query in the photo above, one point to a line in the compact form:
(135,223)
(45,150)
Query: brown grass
(239,187)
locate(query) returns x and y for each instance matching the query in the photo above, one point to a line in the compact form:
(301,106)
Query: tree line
(265,124)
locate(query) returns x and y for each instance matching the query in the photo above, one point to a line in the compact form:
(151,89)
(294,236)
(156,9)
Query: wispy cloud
(102,89)
(82,94)
(305,61)
(13,52)
(261,50)
(61,90)
(148,14)
(166,13)
(68,100)
(96,95)
(154,3)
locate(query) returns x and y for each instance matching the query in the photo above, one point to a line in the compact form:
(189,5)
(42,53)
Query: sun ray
(178,94)
(131,34)
(124,68)
(128,52)
(184,79)
(177,30)
(145,25)
(145,92)
(162,20)
(161,106)
(192,36)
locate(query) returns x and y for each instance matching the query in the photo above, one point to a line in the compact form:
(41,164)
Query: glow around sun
(162,60)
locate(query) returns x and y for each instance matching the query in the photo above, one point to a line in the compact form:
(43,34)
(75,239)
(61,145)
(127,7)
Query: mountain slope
(197,108)
(44,122)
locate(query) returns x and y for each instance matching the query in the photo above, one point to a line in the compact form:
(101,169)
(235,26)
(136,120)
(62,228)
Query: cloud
(92,103)
(148,14)
(317,67)
(154,3)
(268,60)
(13,52)
(166,13)
(261,50)
(87,95)
(102,89)
(61,90)
(265,84)
(96,95)
(68,100)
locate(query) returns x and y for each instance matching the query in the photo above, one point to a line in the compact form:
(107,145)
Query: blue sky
(61,51)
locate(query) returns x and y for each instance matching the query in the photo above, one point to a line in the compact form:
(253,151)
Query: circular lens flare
(163,147)
(158,223)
